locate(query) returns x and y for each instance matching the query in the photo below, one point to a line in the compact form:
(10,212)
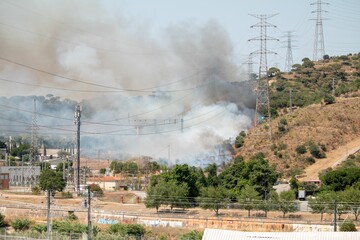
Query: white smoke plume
(179,97)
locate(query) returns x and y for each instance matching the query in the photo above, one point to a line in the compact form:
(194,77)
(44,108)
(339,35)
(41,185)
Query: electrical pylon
(289,57)
(319,47)
(262,88)
(77,116)
(34,135)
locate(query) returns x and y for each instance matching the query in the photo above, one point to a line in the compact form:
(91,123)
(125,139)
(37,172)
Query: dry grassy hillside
(327,126)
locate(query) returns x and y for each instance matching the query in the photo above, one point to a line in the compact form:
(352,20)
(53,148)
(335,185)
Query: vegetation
(21,224)
(341,178)
(2,220)
(348,226)
(248,198)
(136,230)
(213,198)
(51,180)
(192,235)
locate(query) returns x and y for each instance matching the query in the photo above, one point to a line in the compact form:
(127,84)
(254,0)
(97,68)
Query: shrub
(66,195)
(36,190)
(96,189)
(127,229)
(2,220)
(348,226)
(282,146)
(315,151)
(21,224)
(310,160)
(301,149)
(72,217)
(40,228)
(193,235)
(239,141)
(329,99)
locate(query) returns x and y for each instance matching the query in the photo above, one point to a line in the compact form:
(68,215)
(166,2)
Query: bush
(315,151)
(348,226)
(301,149)
(40,228)
(69,227)
(66,195)
(193,235)
(2,220)
(329,99)
(127,229)
(72,217)
(96,189)
(310,160)
(239,141)
(36,190)
(21,224)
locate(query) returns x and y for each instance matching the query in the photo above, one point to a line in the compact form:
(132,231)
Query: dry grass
(332,125)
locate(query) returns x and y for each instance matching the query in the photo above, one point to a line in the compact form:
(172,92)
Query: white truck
(301,194)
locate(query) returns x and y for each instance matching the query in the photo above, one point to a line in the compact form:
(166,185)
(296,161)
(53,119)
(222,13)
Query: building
(22,175)
(4,181)
(215,234)
(107,183)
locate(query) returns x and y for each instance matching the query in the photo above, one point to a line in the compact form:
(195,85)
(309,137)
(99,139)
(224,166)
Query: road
(333,159)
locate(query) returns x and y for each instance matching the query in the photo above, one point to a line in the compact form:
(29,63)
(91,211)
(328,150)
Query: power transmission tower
(319,48)
(289,57)
(77,122)
(262,88)
(251,76)
(34,136)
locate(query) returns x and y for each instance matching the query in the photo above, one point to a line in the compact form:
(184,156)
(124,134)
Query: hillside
(329,127)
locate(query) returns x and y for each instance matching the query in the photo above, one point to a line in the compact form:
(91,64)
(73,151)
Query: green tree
(212,178)
(286,202)
(213,198)
(155,195)
(339,179)
(184,174)
(307,63)
(269,202)
(351,197)
(176,194)
(248,198)
(322,203)
(51,180)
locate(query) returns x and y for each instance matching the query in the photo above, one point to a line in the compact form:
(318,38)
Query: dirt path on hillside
(333,159)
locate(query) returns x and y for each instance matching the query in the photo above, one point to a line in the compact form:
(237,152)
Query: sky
(142,63)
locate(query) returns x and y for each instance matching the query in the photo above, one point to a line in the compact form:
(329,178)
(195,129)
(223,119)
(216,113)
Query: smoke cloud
(178,96)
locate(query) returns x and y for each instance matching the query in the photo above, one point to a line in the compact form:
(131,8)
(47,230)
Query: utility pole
(289,57)
(48,214)
(77,122)
(89,214)
(291,107)
(319,47)
(335,212)
(333,87)
(262,88)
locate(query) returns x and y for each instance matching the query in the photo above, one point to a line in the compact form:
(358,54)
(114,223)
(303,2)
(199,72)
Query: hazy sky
(189,52)
(341,26)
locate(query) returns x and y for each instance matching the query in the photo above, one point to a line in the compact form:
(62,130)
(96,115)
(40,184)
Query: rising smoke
(180,97)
